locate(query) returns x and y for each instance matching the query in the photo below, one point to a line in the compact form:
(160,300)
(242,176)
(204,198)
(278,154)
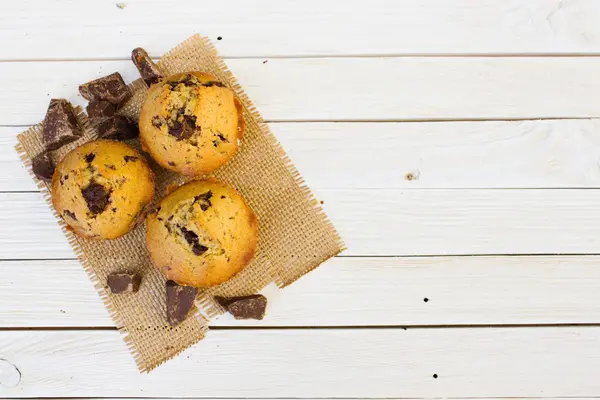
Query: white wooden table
(456,147)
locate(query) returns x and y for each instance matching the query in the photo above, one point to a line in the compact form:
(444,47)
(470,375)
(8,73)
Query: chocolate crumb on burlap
(295,235)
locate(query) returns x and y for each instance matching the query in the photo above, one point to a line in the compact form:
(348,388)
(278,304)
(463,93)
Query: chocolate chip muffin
(201,234)
(102,189)
(190,123)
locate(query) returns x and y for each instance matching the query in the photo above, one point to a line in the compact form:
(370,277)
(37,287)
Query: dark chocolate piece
(43,167)
(71,215)
(130,158)
(96,196)
(99,110)
(213,83)
(148,70)
(110,88)
(124,282)
(245,307)
(90,157)
(204,200)
(60,124)
(180,300)
(192,238)
(118,128)
(185,129)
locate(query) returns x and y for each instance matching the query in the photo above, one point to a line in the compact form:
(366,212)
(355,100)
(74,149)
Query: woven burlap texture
(295,235)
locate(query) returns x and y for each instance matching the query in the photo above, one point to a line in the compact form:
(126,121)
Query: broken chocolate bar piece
(110,88)
(148,70)
(124,282)
(99,110)
(245,307)
(180,300)
(43,167)
(60,125)
(118,128)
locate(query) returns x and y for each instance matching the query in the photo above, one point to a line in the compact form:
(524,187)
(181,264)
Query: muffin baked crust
(191,124)
(201,234)
(102,189)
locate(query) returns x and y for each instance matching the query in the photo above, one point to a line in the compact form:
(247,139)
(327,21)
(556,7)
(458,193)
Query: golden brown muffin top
(190,123)
(101,188)
(202,234)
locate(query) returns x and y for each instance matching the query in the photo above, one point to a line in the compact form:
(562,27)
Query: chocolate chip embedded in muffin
(43,167)
(60,125)
(120,283)
(96,197)
(245,307)
(180,300)
(147,68)
(118,128)
(99,110)
(110,88)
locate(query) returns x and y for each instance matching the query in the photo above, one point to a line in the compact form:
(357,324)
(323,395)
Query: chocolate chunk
(180,300)
(43,167)
(204,200)
(171,163)
(90,157)
(185,129)
(130,158)
(148,70)
(245,307)
(124,283)
(70,214)
(60,124)
(213,83)
(99,110)
(118,128)
(199,249)
(110,88)
(96,196)
(192,238)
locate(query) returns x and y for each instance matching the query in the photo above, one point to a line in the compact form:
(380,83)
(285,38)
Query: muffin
(201,234)
(191,124)
(102,189)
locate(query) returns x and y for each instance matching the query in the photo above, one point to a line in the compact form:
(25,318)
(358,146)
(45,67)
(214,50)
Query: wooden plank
(353,89)
(521,154)
(349,292)
(387,222)
(40,30)
(374,363)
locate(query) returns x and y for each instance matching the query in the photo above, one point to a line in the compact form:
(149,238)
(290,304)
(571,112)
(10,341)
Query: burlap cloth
(295,235)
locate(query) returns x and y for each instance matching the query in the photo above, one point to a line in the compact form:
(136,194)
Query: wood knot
(9,374)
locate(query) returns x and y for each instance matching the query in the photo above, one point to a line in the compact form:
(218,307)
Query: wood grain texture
(39,29)
(349,292)
(352,89)
(515,362)
(518,154)
(387,222)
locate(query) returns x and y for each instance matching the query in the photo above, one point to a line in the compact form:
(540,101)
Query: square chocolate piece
(99,110)
(118,128)
(245,307)
(60,125)
(148,69)
(109,88)
(119,283)
(43,167)
(180,300)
